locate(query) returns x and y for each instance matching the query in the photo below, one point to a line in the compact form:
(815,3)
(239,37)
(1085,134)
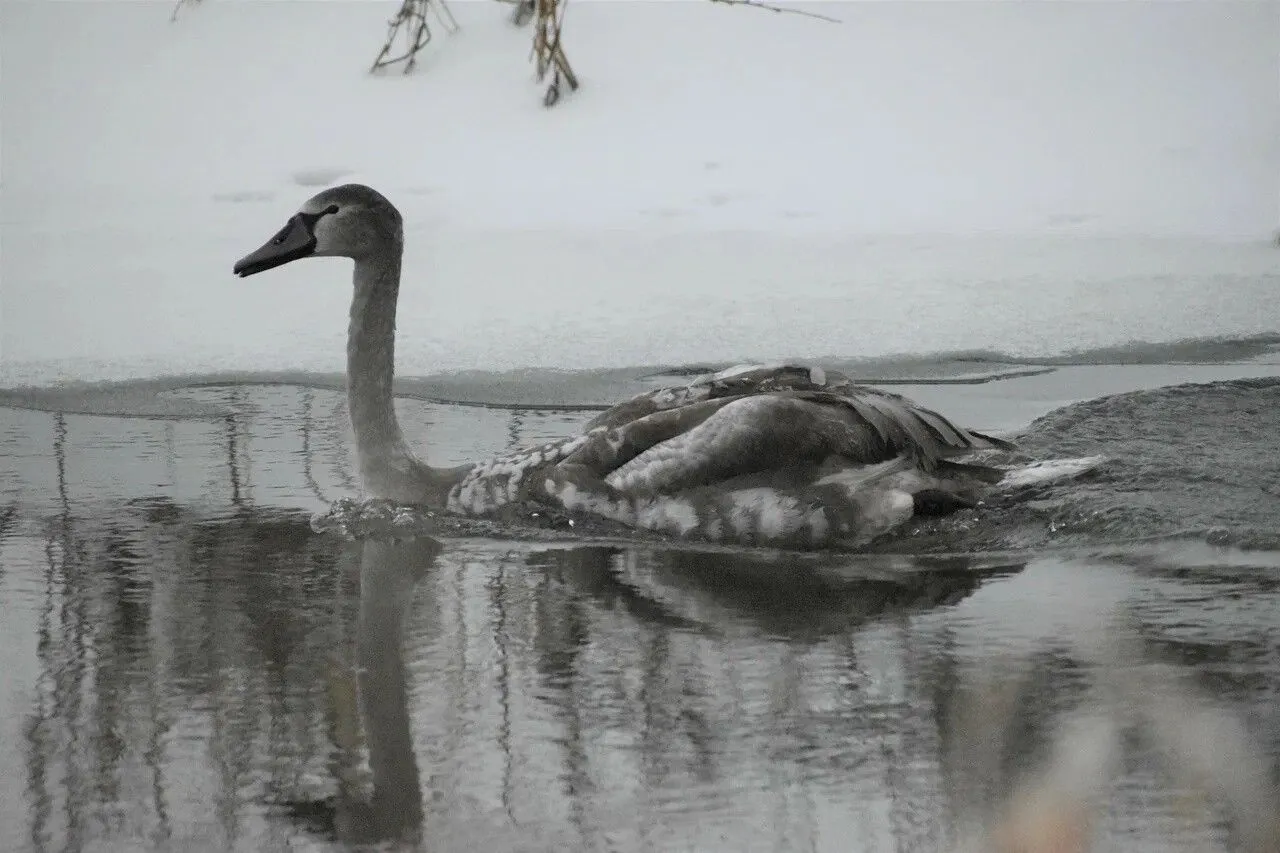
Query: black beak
(295,240)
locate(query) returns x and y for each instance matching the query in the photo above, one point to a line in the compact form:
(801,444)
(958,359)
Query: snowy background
(729,183)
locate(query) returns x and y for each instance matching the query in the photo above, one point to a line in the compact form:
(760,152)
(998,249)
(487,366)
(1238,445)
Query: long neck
(387,466)
(371,354)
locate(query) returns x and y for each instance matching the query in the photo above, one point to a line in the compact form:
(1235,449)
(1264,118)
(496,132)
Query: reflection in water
(799,597)
(206,679)
(388,805)
(307,428)
(233,461)
(191,667)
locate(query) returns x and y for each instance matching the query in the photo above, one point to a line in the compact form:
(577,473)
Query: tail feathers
(997,443)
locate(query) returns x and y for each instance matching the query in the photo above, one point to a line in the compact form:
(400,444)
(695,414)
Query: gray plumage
(782,455)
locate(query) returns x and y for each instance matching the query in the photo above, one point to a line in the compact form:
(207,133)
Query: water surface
(189,666)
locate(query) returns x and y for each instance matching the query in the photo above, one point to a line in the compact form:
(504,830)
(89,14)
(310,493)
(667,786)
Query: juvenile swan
(784,456)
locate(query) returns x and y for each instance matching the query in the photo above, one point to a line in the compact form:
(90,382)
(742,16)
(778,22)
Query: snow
(727,184)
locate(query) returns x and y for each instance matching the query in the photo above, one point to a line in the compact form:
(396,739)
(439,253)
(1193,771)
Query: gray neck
(387,467)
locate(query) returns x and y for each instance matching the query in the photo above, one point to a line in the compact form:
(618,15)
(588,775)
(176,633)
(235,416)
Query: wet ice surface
(189,665)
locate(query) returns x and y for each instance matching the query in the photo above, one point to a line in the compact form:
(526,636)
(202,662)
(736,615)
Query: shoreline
(1000,397)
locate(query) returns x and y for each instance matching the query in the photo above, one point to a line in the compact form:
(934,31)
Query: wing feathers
(756,419)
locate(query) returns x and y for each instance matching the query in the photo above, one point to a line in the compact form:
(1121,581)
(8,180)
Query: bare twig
(780,9)
(548,51)
(412,21)
(445,14)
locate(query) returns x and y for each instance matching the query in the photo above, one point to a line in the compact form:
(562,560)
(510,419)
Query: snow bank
(727,183)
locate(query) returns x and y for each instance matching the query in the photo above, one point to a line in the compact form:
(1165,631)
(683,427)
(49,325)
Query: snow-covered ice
(727,184)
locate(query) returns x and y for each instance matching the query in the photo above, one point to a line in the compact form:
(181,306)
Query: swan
(786,456)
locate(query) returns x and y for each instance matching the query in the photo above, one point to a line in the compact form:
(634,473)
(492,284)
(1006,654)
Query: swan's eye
(333,208)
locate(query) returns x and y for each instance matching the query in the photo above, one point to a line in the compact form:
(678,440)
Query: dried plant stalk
(548,50)
(411,24)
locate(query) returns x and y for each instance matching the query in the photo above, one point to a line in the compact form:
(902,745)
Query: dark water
(187,666)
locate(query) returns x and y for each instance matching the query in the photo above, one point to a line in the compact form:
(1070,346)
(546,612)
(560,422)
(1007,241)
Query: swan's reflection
(708,593)
(389,570)
(791,596)
(386,802)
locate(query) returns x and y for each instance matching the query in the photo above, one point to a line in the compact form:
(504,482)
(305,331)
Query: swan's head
(350,221)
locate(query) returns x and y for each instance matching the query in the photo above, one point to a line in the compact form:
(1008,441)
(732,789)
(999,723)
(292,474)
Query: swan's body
(753,455)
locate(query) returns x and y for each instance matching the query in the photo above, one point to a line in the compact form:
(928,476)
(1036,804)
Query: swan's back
(754,455)
(731,382)
(751,419)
